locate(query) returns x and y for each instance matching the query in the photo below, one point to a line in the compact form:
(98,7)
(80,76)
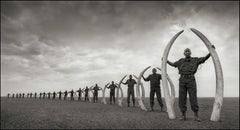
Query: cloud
(67,45)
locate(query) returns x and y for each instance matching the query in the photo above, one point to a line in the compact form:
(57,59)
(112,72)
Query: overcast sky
(53,46)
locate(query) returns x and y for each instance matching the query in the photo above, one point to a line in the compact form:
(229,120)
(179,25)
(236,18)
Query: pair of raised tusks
(218,72)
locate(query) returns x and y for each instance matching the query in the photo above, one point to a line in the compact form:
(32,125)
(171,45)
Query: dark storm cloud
(50,41)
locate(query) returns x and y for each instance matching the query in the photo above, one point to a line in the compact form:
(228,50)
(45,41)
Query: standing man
(23,95)
(44,94)
(35,95)
(49,95)
(65,95)
(79,93)
(71,94)
(154,79)
(8,95)
(112,92)
(95,93)
(17,95)
(187,67)
(60,95)
(54,95)
(40,95)
(20,95)
(130,82)
(13,95)
(86,94)
(31,95)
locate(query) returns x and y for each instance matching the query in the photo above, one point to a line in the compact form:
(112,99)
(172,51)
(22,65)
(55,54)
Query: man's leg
(182,100)
(128,97)
(114,98)
(111,96)
(192,91)
(159,98)
(133,98)
(152,92)
(97,97)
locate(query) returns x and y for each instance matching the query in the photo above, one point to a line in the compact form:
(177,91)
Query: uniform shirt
(96,88)
(188,66)
(112,88)
(154,80)
(130,83)
(79,92)
(86,91)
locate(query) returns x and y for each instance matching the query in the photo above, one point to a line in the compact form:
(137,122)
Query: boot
(151,108)
(196,117)
(162,109)
(183,117)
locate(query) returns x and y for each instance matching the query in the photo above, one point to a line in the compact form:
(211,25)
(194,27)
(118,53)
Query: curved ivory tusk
(171,86)
(140,101)
(219,77)
(103,91)
(142,87)
(170,110)
(90,89)
(119,87)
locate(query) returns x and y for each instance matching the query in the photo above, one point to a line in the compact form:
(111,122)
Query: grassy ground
(39,113)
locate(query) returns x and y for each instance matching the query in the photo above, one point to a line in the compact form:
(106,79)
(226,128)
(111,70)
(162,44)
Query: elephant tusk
(219,77)
(103,91)
(119,87)
(170,110)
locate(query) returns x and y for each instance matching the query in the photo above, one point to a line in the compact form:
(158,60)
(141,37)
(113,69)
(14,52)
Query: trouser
(130,92)
(95,97)
(159,98)
(59,97)
(191,88)
(72,98)
(112,97)
(86,97)
(65,97)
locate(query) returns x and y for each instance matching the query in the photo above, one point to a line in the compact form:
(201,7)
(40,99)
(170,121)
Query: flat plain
(60,114)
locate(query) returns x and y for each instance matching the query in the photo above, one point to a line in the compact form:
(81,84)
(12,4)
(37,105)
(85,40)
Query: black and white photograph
(119,64)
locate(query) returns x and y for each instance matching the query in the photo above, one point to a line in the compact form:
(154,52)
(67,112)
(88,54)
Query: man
(49,95)
(54,95)
(187,67)
(30,95)
(65,95)
(95,93)
(20,95)
(71,94)
(154,79)
(60,95)
(44,94)
(40,95)
(27,95)
(8,95)
(79,93)
(17,95)
(23,95)
(13,95)
(35,95)
(86,94)
(112,92)
(130,82)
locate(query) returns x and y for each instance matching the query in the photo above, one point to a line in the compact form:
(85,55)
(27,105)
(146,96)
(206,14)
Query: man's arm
(146,79)
(203,59)
(125,82)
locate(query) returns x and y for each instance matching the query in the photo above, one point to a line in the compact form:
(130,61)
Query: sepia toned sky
(53,46)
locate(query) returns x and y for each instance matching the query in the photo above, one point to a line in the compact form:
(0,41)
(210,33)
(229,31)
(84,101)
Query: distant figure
(130,82)
(65,95)
(187,67)
(20,95)
(8,95)
(54,95)
(154,79)
(27,95)
(35,95)
(112,92)
(13,95)
(95,93)
(44,94)
(49,95)
(71,94)
(86,93)
(40,95)
(79,93)
(31,95)
(17,95)
(60,94)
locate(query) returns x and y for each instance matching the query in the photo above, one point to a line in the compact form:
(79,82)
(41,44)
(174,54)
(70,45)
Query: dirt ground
(55,114)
